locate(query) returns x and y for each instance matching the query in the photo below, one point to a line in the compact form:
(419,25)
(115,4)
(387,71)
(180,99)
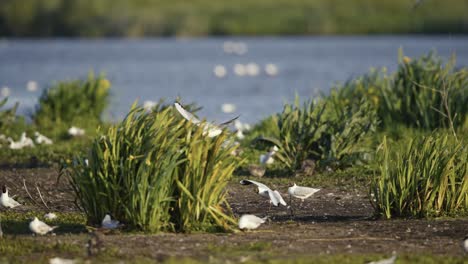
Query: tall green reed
(157,172)
(426,177)
(326,131)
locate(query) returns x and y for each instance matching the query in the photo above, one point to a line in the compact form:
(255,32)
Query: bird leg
(291,207)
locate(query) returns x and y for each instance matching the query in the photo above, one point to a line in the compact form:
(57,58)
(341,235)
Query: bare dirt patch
(333,221)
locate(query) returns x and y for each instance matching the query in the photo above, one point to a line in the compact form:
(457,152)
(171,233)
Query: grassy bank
(87,18)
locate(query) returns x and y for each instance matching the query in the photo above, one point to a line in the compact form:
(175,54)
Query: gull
(5,91)
(209,129)
(40,228)
(239,69)
(76,131)
(50,216)
(58,260)
(252,69)
(256,170)
(300,193)
(7,201)
(241,126)
(32,86)
(228,108)
(271,69)
(23,142)
(148,105)
(390,260)
(108,223)
(263,190)
(219,71)
(250,222)
(240,134)
(268,158)
(41,139)
(465,244)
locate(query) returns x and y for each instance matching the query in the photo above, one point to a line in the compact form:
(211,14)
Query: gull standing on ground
(7,201)
(390,260)
(40,228)
(265,191)
(465,244)
(300,193)
(108,223)
(268,158)
(58,260)
(41,139)
(209,129)
(250,222)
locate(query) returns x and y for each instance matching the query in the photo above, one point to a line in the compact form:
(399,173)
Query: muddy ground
(334,221)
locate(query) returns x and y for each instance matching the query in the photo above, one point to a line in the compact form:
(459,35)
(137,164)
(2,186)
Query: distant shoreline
(137,19)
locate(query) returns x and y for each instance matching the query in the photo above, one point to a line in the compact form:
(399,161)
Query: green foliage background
(89,18)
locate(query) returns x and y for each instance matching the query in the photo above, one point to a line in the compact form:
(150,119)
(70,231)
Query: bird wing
(305,191)
(261,186)
(13,203)
(280,199)
(43,228)
(229,121)
(186,114)
(273,198)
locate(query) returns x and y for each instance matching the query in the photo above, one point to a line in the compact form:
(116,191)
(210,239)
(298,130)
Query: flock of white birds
(249,69)
(249,222)
(25,141)
(246,221)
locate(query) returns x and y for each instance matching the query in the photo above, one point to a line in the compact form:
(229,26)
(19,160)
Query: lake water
(149,69)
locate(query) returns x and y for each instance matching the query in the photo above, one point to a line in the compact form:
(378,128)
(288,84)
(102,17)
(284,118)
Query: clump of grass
(427,177)
(325,131)
(74,103)
(156,172)
(427,94)
(10,123)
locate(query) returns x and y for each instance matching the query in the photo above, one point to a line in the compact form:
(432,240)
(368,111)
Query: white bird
(228,108)
(7,201)
(250,222)
(268,158)
(32,86)
(265,191)
(209,129)
(76,131)
(24,141)
(241,126)
(40,228)
(301,192)
(465,244)
(41,139)
(5,91)
(271,69)
(108,223)
(219,71)
(148,105)
(390,260)
(50,216)
(239,69)
(252,69)
(58,260)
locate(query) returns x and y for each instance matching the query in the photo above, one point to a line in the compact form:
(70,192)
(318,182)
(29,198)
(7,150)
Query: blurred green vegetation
(104,18)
